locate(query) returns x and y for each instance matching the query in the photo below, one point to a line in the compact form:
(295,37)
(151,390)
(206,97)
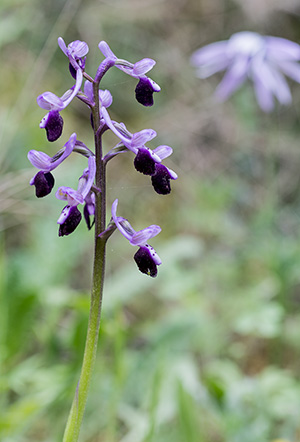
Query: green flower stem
(79,402)
(80,398)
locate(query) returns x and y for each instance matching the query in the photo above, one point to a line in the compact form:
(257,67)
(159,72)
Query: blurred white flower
(263,60)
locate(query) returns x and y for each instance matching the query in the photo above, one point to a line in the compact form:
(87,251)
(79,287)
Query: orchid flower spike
(70,216)
(145,87)
(146,257)
(44,180)
(262,59)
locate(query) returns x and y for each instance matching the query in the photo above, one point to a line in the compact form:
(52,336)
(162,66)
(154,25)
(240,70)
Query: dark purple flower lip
(69,220)
(144,162)
(146,257)
(145,262)
(161,179)
(53,123)
(44,183)
(144,92)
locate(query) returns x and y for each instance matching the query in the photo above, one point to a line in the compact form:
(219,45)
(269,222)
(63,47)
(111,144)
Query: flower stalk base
(81,394)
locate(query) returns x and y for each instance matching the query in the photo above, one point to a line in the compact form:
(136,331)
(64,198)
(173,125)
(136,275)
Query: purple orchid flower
(75,52)
(262,59)
(146,161)
(52,121)
(70,213)
(146,257)
(145,87)
(44,180)
(70,216)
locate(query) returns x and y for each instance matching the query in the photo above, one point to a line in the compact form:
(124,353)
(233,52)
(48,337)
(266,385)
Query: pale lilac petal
(106,51)
(78,49)
(125,139)
(88,90)
(263,94)
(143,66)
(272,80)
(79,78)
(105,98)
(69,146)
(50,101)
(91,176)
(163,151)
(209,53)
(210,59)
(122,224)
(282,49)
(290,69)
(62,45)
(141,237)
(40,160)
(142,137)
(281,88)
(233,78)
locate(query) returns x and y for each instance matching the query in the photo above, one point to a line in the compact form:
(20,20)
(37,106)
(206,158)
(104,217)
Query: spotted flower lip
(263,59)
(146,257)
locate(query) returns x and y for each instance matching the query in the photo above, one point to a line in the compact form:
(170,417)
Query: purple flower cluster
(146,160)
(262,59)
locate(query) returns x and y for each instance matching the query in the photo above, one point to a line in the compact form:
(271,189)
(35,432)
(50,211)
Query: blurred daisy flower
(262,59)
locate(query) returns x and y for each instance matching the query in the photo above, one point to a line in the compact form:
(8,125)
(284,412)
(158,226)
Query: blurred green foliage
(209,351)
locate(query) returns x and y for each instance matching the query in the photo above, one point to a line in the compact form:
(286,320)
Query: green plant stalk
(79,402)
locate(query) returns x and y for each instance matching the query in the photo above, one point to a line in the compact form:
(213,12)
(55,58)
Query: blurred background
(209,351)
